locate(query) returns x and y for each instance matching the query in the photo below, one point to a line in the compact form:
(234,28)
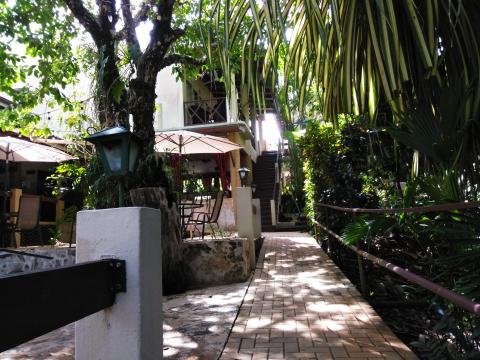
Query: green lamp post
(118,149)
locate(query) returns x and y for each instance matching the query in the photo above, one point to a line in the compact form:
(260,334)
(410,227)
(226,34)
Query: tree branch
(86,18)
(142,12)
(140,16)
(181,59)
(131,35)
(107,14)
(162,24)
(161,37)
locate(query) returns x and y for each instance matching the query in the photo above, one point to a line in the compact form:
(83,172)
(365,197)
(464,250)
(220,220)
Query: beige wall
(169,101)
(171,96)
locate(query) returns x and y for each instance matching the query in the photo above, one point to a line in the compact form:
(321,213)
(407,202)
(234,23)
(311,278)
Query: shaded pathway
(301,306)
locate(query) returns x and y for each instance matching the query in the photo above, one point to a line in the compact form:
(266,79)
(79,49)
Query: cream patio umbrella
(18,150)
(185,142)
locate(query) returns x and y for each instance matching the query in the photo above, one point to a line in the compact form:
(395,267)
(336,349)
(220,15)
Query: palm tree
(356,55)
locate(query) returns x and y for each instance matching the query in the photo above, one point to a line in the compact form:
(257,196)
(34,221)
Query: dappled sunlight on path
(301,306)
(196,324)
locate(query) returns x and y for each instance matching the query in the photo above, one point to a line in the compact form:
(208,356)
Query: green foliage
(353,165)
(446,138)
(67,176)
(336,162)
(36,49)
(68,218)
(366,229)
(102,192)
(21,120)
(352,56)
(191,43)
(294,164)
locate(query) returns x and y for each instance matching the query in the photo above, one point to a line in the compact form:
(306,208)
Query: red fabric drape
(222,163)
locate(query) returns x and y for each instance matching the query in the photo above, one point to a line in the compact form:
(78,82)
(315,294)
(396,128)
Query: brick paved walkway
(301,306)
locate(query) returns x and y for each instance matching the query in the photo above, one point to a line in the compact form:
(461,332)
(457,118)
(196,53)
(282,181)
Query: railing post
(329,241)
(361,268)
(132,327)
(363,280)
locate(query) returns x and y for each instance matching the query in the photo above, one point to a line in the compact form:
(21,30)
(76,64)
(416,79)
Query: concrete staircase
(264,178)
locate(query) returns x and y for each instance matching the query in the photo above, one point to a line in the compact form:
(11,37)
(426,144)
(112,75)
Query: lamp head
(118,149)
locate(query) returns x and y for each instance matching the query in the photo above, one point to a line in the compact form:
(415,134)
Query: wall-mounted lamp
(243,172)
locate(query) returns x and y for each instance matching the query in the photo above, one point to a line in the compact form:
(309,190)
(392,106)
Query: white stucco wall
(169,101)
(132,328)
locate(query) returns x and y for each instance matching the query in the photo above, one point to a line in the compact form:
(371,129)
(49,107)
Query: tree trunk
(174,280)
(142,107)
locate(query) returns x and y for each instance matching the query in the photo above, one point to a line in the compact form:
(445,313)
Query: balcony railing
(210,111)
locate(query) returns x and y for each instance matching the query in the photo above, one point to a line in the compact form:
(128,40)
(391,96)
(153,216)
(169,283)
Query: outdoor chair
(189,202)
(201,218)
(28,216)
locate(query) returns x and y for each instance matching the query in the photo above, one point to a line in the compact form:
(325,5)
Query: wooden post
(15,195)
(59,209)
(234,166)
(249,164)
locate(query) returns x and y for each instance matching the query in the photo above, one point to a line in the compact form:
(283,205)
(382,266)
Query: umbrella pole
(7,179)
(5,196)
(180,162)
(121,200)
(7,184)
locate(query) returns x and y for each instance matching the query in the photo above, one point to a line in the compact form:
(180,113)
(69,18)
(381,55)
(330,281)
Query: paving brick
(301,306)
(247,344)
(291,347)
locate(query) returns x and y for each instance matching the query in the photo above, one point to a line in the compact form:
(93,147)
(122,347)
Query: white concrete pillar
(132,328)
(257,219)
(245,224)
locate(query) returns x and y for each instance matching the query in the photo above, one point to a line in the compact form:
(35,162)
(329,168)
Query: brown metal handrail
(419,209)
(439,290)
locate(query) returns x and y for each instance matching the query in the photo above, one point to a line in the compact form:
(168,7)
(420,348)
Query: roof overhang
(5,102)
(218,128)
